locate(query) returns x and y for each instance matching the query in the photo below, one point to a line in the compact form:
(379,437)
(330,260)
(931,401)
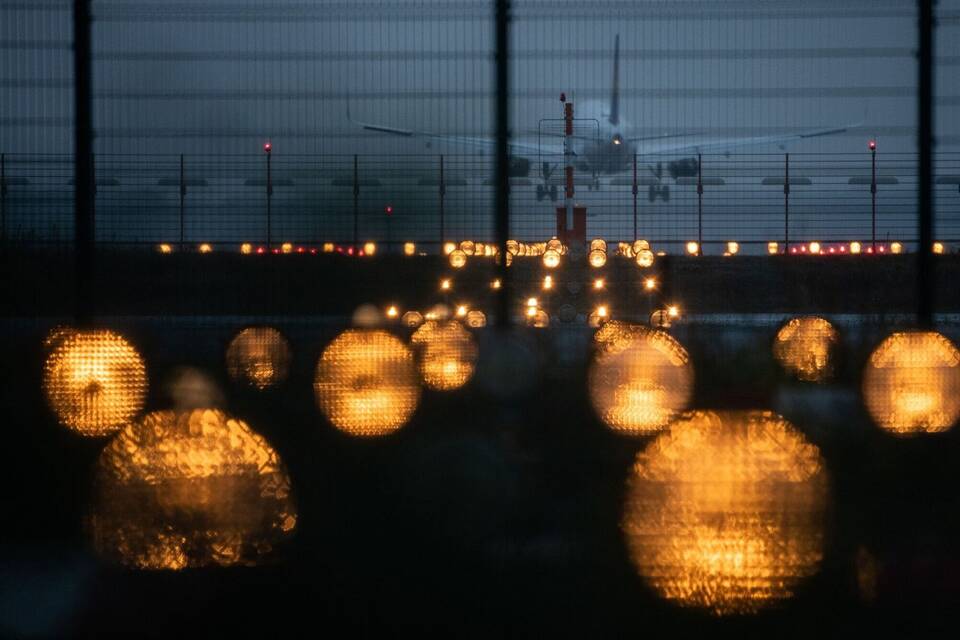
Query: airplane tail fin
(615,93)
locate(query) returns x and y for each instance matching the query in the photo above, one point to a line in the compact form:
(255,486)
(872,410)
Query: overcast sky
(221,76)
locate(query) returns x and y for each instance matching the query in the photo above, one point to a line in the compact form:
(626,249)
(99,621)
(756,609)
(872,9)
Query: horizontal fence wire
(429,199)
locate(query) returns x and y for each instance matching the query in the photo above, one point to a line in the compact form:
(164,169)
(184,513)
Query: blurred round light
(467,246)
(814,247)
(650,284)
(458,259)
(445,284)
(805,347)
(673,311)
(938,248)
(597,258)
(366,383)
(205,248)
(392,311)
(369,248)
(598,244)
(95,381)
(495,284)
(640,379)
(476,319)
(259,357)
(639,245)
(513,247)
(287,247)
(598,316)
(726,511)
(912,383)
(328,247)
(412,319)
(733,248)
(773,248)
(246,248)
(896,247)
(555,245)
(187,490)
(438,312)
(551,258)
(448,354)
(164,248)
(539,319)
(645,258)
(693,248)
(547,283)
(855,247)
(599,284)
(409,248)
(367,316)
(448,248)
(660,319)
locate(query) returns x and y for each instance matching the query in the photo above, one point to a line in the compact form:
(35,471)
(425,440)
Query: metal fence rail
(227,200)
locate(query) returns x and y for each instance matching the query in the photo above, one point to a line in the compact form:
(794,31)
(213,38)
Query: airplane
(611,151)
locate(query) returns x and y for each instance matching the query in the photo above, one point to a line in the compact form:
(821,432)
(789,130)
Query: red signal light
(267,147)
(389,209)
(872,145)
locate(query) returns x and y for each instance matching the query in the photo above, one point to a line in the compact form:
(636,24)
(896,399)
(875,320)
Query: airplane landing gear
(658,191)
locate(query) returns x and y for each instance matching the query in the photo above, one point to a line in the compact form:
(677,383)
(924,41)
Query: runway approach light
(392,311)
(246,248)
(495,284)
(896,247)
(733,248)
(369,248)
(673,311)
(166,248)
(938,248)
(267,147)
(815,248)
(855,247)
(773,248)
(650,284)
(445,284)
(548,283)
(409,248)
(693,248)
(205,248)
(598,283)
(872,145)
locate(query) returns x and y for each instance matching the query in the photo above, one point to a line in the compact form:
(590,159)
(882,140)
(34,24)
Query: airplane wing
(517,147)
(688,143)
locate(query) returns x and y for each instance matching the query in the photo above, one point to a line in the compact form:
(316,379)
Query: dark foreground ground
(487,515)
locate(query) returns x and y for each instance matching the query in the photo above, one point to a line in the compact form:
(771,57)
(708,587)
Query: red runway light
(267,147)
(300,249)
(872,145)
(313,252)
(388,209)
(276,251)
(260,250)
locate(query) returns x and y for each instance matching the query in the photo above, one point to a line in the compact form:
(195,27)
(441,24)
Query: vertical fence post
(83,170)
(634,190)
(3,198)
(786,203)
(873,197)
(699,204)
(502,122)
(356,198)
(443,193)
(926,286)
(183,193)
(269,192)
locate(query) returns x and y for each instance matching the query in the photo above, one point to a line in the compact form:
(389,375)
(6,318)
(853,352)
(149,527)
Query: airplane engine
(686,168)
